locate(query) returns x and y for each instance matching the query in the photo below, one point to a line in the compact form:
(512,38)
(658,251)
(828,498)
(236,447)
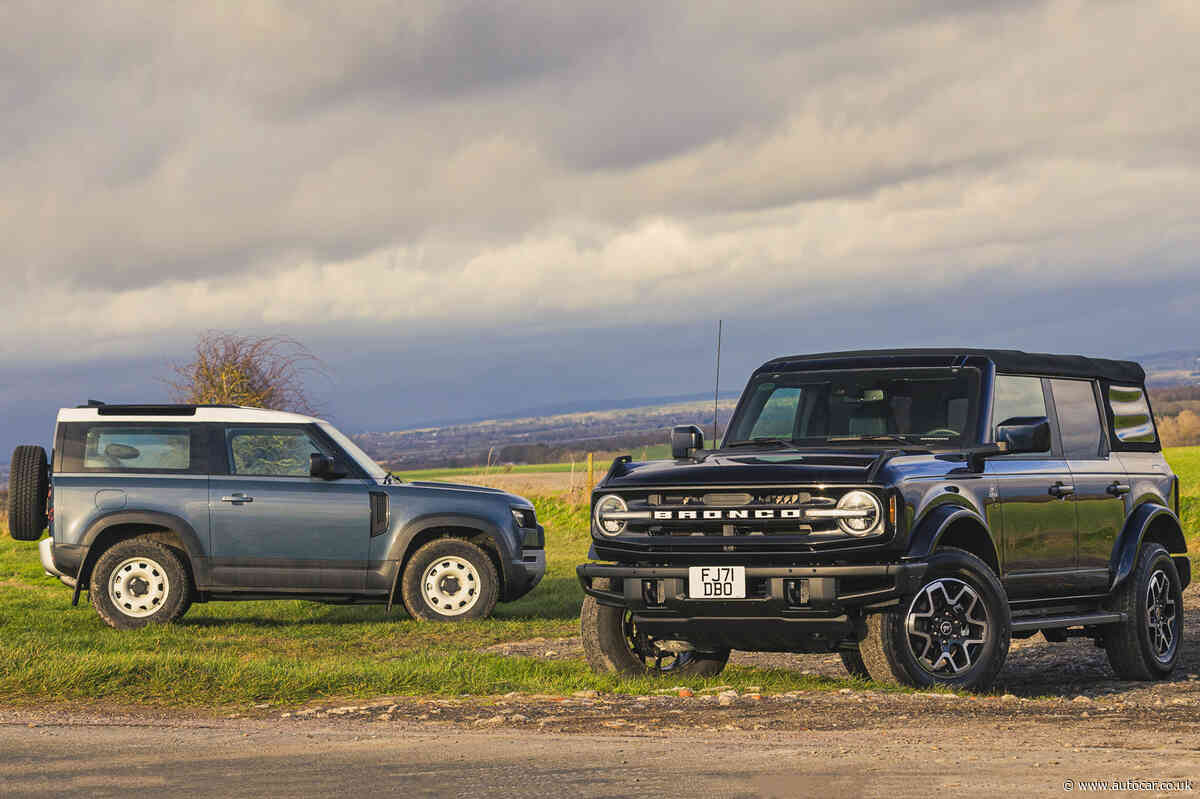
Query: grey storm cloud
(402,166)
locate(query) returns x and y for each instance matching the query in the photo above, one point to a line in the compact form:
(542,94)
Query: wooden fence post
(591,479)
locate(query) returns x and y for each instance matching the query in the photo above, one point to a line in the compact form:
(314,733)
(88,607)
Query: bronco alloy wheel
(613,643)
(139,582)
(954,630)
(1146,645)
(450,580)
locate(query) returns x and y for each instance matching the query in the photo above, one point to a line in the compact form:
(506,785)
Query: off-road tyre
(1133,650)
(609,645)
(154,568)
(28,486)
(450,579)
(888,655)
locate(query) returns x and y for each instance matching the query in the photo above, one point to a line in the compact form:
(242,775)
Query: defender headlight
(524,517)
(610,503)
(867,515)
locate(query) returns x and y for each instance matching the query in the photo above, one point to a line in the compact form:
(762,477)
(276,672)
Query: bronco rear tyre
(28,486)
(954,631)
(1147,644)
(139,582)
(613,644)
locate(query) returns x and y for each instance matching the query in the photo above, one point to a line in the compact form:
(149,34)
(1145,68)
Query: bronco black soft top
(1016,361)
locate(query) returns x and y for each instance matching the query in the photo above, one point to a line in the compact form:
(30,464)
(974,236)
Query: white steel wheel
(451,586)
(139,587)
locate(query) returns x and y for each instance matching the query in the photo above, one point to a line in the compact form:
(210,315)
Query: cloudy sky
(476,208)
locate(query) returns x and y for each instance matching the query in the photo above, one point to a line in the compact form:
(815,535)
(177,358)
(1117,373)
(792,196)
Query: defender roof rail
(149,410)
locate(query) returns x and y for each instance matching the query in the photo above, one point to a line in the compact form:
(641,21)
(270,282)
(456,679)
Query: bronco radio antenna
(717,387)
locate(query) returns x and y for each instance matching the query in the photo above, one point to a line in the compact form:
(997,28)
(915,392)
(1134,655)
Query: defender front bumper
(788,608)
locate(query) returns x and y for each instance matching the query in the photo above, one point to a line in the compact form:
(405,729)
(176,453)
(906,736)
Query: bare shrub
(258,371)
(1181,430)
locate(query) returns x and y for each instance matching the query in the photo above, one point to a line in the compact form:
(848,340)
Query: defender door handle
(237,498)
(1061,489)
(1118,489)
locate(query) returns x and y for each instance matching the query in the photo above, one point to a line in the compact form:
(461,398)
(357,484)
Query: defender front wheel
(139,582)
(450,580)
(613,643)
(1146,645)
(954,631)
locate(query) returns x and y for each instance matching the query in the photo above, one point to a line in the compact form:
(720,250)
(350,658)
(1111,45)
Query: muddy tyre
(139,582)
(450,580)
(613,644)
(28,486)
(1147,644)
(954,631)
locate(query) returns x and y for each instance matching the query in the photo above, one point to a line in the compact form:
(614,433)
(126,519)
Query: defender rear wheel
(139,582)
(612,643)
(28,486)
(954,631)
(1147,644)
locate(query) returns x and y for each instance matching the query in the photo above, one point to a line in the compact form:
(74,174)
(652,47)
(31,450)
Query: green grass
(294,651)
(233,654)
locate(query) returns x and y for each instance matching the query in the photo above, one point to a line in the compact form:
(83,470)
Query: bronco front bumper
(787,608)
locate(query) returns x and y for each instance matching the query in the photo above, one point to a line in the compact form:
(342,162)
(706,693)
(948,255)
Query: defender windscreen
(929,407)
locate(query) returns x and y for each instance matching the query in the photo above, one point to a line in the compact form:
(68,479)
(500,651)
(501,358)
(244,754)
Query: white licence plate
(717,582)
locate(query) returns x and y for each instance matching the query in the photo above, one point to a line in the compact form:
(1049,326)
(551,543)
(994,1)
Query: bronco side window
(1078,418)
(1017,396)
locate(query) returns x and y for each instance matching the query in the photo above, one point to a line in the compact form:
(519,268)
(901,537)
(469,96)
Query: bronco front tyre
(139,582)
(613,644)
(954,631)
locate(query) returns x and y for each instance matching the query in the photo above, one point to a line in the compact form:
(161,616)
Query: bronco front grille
(807,515)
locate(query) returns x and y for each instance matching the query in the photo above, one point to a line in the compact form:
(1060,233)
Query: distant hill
(1171,368)
(539,439)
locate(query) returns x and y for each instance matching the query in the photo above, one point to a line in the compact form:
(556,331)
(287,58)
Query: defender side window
(271,452)
(1015,396)
(1078,418)
(124,447)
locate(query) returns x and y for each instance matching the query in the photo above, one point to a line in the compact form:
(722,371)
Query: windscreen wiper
(872,437)
(760,442)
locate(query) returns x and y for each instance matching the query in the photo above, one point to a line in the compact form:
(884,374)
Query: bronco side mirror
(685,440)
(1024,434)
(322,466)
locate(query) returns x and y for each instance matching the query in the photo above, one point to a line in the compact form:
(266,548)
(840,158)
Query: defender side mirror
(322,466)
(1024,434)
(685,440)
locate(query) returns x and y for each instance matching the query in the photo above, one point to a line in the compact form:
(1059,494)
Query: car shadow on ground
(554,599)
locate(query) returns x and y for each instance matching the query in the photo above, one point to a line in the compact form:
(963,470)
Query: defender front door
(274,527)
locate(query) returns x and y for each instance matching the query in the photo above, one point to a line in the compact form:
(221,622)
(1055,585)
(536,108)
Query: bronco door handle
(1061,489)
(237,498)
(1118,489)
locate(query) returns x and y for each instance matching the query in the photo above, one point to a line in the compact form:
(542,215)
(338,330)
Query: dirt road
(927,749)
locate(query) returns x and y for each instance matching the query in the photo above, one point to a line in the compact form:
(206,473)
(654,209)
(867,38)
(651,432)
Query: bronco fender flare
(401,545)
(1129,543)
(187,534)
(928,532)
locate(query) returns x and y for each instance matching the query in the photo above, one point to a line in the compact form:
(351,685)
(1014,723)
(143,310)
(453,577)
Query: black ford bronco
(912,510)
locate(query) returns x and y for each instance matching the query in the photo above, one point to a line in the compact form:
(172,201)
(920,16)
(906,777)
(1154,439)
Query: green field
(601,463)
(233,654)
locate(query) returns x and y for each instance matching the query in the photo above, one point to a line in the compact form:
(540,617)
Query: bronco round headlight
(868,513)
(610,503)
